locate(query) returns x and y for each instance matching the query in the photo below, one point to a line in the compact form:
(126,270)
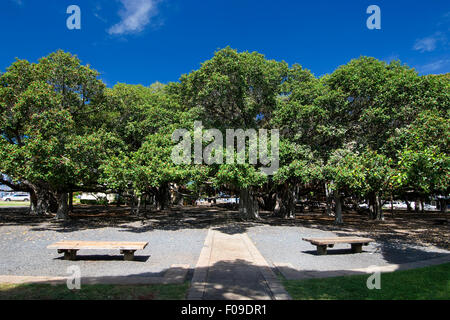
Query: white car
(402,205)
(429,207)
(17,197)
(363,206)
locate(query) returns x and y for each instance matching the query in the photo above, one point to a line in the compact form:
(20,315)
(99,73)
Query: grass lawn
(430,283)
(93,292)
(14,204)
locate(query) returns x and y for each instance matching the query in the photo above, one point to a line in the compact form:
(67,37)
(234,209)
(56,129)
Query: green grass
(14,204)
(430,283)
(93,292)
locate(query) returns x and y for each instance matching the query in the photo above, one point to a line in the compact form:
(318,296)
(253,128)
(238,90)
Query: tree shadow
(171,276)
(332,252)
(395,248)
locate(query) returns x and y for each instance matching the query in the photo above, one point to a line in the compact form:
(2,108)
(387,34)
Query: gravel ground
(285,245)
(23,250)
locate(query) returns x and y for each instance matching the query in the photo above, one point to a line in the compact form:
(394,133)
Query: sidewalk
(230,267)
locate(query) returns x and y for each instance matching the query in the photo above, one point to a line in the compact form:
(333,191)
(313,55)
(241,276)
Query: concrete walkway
(230,267)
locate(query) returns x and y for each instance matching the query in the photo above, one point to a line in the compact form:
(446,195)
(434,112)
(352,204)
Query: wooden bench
(324,243)
(70,248)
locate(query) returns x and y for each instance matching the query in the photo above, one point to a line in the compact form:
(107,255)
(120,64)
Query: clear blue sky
(143,41)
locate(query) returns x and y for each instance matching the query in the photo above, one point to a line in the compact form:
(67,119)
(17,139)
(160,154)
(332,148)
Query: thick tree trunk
(284,204)
(268,201)
(33,203)
(162,197)
(136,205)
(338,208)
(63,209)
(179,198)
(408,205)
(379,211)
(376,207)
(248,205)
(42,202)
(443,205)
(71,202)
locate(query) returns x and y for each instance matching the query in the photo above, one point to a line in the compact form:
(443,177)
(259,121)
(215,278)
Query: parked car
(17,197)
(228,200)
(429,207)
(363,206)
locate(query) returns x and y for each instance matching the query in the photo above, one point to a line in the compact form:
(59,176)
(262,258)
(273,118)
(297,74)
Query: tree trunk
(372,206)
(138,206)
(248,205)
(133,203)
(338,208)
(42,202)
(119,199)
(328,200)
(179,198)
(284,204)
(63,209)
(33,203)
(71,202)
(408,205)
(443,205)
(162,197)
(379,208)
(392,205)
(269,201)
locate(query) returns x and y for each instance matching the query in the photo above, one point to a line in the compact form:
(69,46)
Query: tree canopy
(368,131)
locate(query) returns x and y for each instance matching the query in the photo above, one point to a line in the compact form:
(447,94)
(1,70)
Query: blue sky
(143,41)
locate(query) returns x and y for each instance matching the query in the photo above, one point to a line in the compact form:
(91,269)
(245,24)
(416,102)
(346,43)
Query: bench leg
(128,255)
(321,250)
(69,254)
(357,247)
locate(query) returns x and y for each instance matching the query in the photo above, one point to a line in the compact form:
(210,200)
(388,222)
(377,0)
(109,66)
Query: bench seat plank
(97,245)
(328,241)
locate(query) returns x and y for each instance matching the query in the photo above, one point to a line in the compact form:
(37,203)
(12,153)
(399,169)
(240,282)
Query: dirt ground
(430,228)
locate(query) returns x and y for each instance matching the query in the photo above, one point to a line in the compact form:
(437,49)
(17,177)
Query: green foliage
(48,137)
(368,128)
(298,164)
(232,89)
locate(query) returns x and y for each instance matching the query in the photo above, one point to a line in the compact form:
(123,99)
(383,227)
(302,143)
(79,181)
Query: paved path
(230,267)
